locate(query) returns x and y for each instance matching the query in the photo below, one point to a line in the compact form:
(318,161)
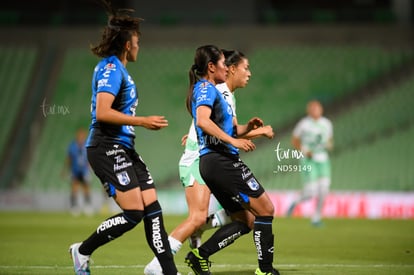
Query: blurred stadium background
(355,56)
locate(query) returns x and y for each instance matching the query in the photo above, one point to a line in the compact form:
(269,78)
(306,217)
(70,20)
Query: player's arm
(261,131)
(296,143)
(207,125)
(66,167)
(253,129)
(242,130)
(264,131)
(105,113)
(184,140)
(329,144)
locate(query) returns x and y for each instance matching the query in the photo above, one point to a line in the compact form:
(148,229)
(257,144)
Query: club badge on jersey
(123,178)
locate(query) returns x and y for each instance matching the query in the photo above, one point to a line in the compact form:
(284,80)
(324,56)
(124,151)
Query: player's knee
(267,209)
(263,206)
(243,227)
(153,209)
(133,216)
(198,220)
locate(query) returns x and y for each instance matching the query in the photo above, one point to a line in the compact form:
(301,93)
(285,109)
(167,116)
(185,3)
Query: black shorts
(82,178)
(230,180)
(119,168)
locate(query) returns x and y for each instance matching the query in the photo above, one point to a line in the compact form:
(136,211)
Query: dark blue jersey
(77,159)
(111,76)
(206,94)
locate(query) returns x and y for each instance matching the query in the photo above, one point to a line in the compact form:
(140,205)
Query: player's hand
(155,122)
(254,123)
(184,139)
(268,131)
(244,144)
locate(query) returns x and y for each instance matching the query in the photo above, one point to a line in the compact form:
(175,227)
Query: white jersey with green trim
(191,146)
(228,96)
(314,136)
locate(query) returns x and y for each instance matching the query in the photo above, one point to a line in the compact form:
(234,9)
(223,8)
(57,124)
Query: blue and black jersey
(112,77)
(205,93)
(77,159)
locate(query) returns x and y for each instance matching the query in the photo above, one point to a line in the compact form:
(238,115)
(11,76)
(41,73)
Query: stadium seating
(383,164)
(385,112)
(68,110)
(15,71)
(372,146)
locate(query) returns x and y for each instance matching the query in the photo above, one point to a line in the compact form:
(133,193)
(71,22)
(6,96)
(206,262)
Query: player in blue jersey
(228,178)
(204,212)
(110,146)
(77,163)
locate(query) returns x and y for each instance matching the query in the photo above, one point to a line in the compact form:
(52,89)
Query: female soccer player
(204,210)
(110,146)
(313,135)
(77,163)
(228,178)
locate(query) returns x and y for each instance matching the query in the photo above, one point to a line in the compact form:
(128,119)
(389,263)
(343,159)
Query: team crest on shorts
(123,178)
(253,184)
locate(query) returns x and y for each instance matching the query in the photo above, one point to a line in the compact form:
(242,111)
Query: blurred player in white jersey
(313,135)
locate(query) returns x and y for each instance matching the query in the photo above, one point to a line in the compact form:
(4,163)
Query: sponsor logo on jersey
(237,164)
(226,94)
(132,93)
(103,83)
(202,98)
(130,80)
(121,166)
(203,87)
(114,151)
(229,110)
(110,67)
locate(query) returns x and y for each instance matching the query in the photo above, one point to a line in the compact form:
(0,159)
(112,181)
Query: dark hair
(233,57)
(120,28)
(203,56)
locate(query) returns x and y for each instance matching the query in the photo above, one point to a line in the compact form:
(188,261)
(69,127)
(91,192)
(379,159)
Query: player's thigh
(130,200)
(198,197)
(190,174)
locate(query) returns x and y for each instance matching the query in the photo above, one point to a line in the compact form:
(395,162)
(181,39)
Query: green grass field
(37,243)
